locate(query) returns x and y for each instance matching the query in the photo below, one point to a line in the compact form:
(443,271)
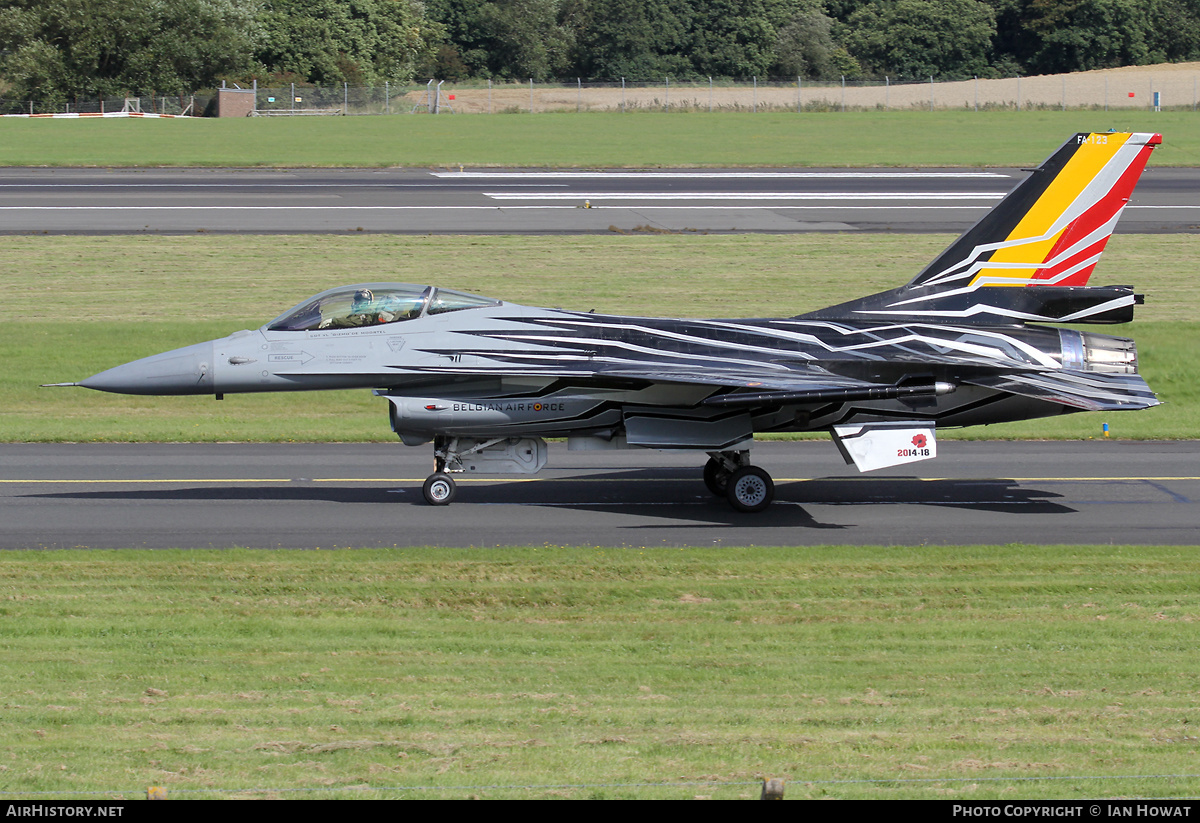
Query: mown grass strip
(591,667)
(596,140)
(75,306)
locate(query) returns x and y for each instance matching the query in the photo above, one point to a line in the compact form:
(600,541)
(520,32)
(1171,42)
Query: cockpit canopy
(373,304)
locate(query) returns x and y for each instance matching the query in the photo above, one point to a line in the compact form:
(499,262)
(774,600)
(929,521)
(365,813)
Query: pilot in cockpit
(363,312)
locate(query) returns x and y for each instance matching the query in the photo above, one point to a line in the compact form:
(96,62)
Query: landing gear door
(871,446)
(686,429)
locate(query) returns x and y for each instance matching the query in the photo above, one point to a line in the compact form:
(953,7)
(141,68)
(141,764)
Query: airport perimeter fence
(1124,89)
(190,104)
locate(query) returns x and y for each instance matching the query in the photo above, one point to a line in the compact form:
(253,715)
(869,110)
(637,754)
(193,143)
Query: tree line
(57,50)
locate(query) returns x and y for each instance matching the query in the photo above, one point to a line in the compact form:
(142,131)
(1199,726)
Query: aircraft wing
(1089,391)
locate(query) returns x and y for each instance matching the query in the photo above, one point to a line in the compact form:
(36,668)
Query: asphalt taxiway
(64,496)
(493,201)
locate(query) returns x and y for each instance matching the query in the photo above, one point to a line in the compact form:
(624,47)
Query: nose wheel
(439,489)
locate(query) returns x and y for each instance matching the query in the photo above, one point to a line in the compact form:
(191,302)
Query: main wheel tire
(716,477)
(439,489)
(750,489)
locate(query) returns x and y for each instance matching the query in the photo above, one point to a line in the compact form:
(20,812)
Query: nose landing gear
(439,489)
(500,455)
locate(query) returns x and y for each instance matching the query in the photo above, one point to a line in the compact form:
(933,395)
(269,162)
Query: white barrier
(75,114)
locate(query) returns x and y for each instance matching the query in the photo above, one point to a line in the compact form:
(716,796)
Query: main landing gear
(727,474)
(730,475)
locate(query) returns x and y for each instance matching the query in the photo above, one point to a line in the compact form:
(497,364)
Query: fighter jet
(487,381)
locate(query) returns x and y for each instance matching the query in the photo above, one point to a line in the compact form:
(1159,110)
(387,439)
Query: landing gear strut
(716,476)
(730,475)
(499,455)
(440,488)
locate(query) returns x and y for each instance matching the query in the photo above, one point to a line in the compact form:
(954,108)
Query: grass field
(648,139)
(70,312)
(940,672)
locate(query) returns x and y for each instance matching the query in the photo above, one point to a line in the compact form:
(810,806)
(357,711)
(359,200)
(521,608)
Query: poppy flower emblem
(919,441)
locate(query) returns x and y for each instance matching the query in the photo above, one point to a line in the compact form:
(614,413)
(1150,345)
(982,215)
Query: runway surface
(99,201)
(61,496)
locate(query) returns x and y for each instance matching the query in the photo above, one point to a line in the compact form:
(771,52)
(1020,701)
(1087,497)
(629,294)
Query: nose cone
(182,371)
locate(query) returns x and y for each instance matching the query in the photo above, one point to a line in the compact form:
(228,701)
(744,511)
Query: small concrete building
(235,102)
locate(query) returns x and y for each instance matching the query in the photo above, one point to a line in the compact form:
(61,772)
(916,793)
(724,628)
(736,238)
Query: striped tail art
(1047,234)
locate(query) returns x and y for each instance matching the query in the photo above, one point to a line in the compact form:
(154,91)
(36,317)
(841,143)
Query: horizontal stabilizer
(1087,391)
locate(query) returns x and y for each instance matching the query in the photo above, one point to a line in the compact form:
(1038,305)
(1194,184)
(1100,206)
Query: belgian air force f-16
(486,381)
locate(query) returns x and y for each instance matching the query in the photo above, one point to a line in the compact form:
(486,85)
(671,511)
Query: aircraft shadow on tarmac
(689,503)
(671,495)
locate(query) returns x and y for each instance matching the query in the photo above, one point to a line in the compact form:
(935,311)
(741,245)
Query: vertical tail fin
(1051,229)
(1048,233)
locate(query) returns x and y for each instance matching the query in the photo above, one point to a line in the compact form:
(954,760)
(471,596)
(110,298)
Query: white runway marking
(498,195)
(498,207)
(489,208)
(243,184)
(274,208)
(738,175)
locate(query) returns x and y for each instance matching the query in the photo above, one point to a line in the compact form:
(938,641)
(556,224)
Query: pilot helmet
(362,300)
